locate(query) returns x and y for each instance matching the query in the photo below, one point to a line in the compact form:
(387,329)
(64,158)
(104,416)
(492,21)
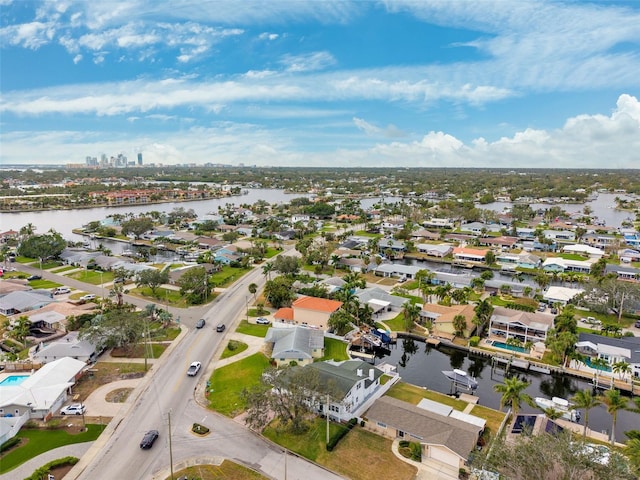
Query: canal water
(421,364)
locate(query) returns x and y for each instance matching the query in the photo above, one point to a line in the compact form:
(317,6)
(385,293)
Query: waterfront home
(503,242)
(623,272)
(479,228)
(308,311)
(560,235)
(8,235)
(392,244)
(442,318)
(558,264)
(354,264)
(457,280)
(474,255)
(393,270)
(512,261)
(356,385)
(68,346)
(611,350)
(525,326)
(446,442)
(425,235)
(632,238)
(210,243)
(439,251)
(561,295)
(298,344)
(584,250)
(601,240)
(525,233)
(380,300)
(438,223)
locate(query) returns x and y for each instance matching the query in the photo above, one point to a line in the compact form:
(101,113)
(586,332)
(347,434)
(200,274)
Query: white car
(194,368)
(73,409)
(88,296)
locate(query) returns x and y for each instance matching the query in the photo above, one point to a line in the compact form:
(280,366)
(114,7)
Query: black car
(200,323)
(34,277)
(149,438)
(221,327)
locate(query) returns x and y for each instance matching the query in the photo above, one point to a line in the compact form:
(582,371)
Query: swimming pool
(513,348)
(13,380)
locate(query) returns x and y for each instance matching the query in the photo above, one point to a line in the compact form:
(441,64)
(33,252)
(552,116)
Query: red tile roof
(285,313)
(317,304)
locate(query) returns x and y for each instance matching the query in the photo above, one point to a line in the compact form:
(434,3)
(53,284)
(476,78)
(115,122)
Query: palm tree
(585,399)
(459,324)
(253,288)
(621,368)
(614,402)
(411,314)
(267,268)
(513,394)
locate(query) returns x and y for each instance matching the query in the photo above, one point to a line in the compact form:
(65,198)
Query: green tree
(20,329)
(278,292)
(340,321)
(137,226)
(459,324)
(585,399)
(512,390)
(614,402)
(117,328)
(253,289)
(411,314)
(489,257)
(267,268)
(194,285)
(153,278)
(287,265)
(42,247)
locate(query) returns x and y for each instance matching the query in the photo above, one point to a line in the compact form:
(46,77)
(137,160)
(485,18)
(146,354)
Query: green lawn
(229,381)
(43,284)
(493,417)
(40,441)
(92,276)
(165,334)
(309,444)
(271,252)
(233,348)
(63,269)
(396,324)
(164,296)
(334,350)
(252,329)
(227,470)
(413,394)
(227,276)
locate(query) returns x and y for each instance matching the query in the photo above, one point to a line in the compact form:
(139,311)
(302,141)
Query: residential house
(210,243)
(623,272)
(558,264)
(425,235)
(393,270)
(439,251)
(446,442)
(356,385)
(8,235)
(354,264)
(392,224)
(333,284)
(512,261)
(309,311)
(380,300)
(473,255)
(601,240)
(298,344)
(525,233)
(525,326)
(457,280)
(503,242)
(581,249)
(438,223)
(442,317)
(391,244)
(39,396)
(561,295)
(24,301)
(610,349)
(560,235)
(300,217)
(479,228)
(68,346)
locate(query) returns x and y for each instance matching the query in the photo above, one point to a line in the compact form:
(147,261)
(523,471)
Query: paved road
(167,393)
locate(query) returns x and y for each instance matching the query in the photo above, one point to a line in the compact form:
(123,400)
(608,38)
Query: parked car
(61,290)
(73,409)
(149,438)
(193,369)
(34,277)
(542,307)
(263,321)
(637,324)
(88,296)
(221,327)
(592,321)
(200,323)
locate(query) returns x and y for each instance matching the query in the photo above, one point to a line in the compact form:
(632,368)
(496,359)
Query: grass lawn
(252,329)
(360,455)
(396,324)
(165,334)
(157,349)
(43,284)
(40,441)
(229,381)
(227,470)
(164,296)
(493,417)
(334,350)
(92,276)
(271,252)
(233,348)
(51,264)
(227,276)
(63,269)
(413,394)
(105,372)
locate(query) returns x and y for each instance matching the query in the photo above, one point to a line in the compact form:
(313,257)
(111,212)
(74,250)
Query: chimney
(371,374)
(359,372)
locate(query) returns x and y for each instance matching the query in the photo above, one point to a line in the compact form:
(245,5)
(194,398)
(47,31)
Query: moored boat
(561,405)
(461,379)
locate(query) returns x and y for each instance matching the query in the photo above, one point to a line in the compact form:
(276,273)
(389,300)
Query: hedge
(45,469)
(9,443)
(333,441)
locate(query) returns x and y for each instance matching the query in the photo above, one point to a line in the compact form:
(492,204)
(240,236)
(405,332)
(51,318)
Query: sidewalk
(27,468)
(96,403)
(255,345)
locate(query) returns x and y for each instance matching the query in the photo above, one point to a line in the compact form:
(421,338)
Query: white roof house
(68,346)
(561,295)
(42,393)
(586,249)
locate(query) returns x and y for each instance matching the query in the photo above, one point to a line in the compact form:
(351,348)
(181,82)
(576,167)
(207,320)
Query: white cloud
(308,63)
(77,59)
(268,36)
(391,131)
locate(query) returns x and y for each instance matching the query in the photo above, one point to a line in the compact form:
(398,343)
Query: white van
(61,290)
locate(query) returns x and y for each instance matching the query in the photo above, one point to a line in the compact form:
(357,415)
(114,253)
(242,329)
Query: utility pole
(170,449)
(327,413)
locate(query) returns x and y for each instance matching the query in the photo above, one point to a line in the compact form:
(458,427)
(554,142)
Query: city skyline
(294,83)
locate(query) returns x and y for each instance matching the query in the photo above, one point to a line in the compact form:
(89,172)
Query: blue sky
(322,83)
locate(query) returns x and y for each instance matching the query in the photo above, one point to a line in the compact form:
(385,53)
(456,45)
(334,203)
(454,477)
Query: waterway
(421,364)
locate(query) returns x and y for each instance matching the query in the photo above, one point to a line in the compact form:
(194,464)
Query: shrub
(233,345)
(416,451)
(45,469)
(403,443)
(199,429)
(474,341)
(333,441)
(12,442)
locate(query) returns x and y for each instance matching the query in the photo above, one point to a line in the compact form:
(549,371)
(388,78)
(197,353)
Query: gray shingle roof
(430,427)
(298,342)
(344,375)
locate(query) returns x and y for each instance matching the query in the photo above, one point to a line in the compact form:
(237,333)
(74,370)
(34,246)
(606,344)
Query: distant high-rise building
(140,159)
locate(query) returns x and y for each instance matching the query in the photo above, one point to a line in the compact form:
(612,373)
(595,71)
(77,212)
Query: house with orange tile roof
(465,254)
(308,311)
(442,317)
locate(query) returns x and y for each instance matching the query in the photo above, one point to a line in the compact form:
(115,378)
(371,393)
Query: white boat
(461,379)
(561,405)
